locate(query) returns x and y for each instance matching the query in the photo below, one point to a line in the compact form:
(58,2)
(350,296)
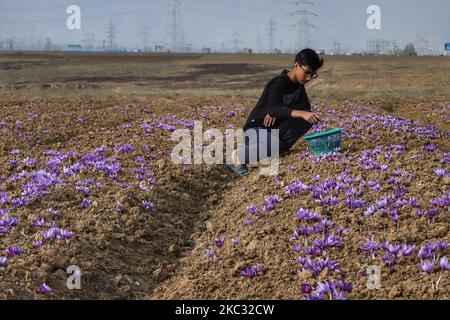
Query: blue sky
(212,22)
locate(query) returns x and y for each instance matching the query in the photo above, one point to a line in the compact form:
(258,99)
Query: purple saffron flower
(119,207)
(51,233)
(445,265)
(231,114)
(431,213)
(251,271)
(54,212)
(307,215)
(37,244)
(441,202)
(235,241)
(210,254)
(426,267)
(370,247)
(252,209)
(440,172)
(13,164)
(44,289)
(65,234)
(149,206)
(407,249)
(219,242)
(3,212)
(13,251)
(3,261)
(306,288)
(430,147)
(355,203)
(85,203)
(21,202)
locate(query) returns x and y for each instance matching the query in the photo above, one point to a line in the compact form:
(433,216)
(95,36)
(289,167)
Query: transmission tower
(89,40)
(303,25)
(258,42)
(175,32)
(236,40)
(422,44)
(271,34)
(111,36)
(336,48)
(145,35)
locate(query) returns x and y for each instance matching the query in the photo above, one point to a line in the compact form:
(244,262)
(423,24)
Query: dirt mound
(91,184)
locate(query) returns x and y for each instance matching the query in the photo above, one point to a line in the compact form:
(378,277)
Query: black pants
(290,130)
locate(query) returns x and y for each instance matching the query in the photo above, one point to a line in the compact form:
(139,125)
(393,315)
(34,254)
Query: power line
(174,26)
(111,35)
(143,10)
(303,25)
(258,42)
(145,33)
(271,33)
(87,4)
(236,40)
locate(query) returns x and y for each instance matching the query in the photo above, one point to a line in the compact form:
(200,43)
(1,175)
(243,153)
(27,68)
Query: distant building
(447,49)
(159,48)
(206,50)
(321,52)
(73,48)
(248,51)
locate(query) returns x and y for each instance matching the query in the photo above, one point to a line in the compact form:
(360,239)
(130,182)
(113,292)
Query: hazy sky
(212,22)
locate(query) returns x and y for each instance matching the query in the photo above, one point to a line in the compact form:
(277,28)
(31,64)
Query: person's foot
(235,158)
(239,170)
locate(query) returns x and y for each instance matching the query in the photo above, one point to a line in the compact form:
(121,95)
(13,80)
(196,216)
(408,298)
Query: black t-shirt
(279,97)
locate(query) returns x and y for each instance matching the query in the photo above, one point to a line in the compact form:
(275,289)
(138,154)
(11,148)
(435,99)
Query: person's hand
(311,117)
(269,121)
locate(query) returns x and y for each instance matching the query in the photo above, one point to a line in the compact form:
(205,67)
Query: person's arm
(276,108)
(308,116)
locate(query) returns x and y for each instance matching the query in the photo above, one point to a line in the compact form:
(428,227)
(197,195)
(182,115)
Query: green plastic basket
(325,142)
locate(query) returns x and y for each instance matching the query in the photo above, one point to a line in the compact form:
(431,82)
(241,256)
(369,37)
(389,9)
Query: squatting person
(283,105)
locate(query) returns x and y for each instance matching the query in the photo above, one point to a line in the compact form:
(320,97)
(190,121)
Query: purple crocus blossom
(370,247)
(235,241)
(430,249)
(149,206)
(252,271)
(85,203)
(430,147)
(119,207)
(37,244)
(307,215)
(252,209)
(426,267)
(210,254)
(13,251)
(355,203)
(305,288)
(270,202)
(445,265)
(219,242)
(44,289)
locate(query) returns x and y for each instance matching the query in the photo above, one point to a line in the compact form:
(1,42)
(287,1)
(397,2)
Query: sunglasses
(310,74)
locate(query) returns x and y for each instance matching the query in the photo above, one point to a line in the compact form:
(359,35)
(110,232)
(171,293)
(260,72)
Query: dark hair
(309,57)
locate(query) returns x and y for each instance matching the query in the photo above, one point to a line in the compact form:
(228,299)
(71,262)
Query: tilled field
(92,184)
